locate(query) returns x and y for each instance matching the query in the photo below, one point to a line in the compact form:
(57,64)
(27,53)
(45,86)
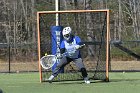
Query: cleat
(50,79)
(86,80)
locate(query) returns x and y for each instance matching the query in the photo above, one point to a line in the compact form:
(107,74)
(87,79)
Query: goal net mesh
(92,28)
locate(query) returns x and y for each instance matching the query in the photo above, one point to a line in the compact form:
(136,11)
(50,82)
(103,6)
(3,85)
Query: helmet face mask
(67,33)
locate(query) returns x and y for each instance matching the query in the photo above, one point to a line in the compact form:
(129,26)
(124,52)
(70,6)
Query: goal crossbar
(71,11)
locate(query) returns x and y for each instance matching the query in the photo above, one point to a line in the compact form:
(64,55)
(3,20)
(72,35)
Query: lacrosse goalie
(70,45)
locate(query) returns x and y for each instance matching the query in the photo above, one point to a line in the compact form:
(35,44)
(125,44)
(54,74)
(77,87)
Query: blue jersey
(70,49)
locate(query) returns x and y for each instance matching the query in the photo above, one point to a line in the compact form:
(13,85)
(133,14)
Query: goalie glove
(77,47)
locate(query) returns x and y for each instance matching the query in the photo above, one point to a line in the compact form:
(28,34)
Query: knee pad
(84,72)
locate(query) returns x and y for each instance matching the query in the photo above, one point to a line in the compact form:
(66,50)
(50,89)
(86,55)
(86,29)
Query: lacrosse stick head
(48,61)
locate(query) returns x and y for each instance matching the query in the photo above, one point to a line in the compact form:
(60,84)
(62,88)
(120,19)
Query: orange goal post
(78,19)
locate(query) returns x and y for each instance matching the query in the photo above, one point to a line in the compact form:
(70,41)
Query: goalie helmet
(67,33)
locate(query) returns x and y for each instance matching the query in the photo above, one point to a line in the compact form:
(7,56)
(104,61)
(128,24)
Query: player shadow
(78,82)
(95,81)
(62,83)
(124,80)
(1,91)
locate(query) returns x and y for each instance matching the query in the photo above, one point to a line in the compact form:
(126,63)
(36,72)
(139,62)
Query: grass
(29,83)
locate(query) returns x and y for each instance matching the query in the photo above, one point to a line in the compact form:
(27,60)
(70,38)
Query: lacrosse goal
(93,28)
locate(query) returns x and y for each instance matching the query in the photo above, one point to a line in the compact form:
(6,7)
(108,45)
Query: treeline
(18,19)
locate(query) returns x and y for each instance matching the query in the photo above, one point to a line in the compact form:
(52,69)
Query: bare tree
(89,26)
(120,20)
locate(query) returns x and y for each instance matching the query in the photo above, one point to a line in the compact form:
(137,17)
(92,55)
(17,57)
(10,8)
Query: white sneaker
(50,79)
(86,80)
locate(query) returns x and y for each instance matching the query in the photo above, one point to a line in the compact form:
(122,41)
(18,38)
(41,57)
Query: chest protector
(71,50)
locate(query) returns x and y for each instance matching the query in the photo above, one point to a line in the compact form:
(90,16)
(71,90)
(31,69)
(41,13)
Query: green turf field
(29,83)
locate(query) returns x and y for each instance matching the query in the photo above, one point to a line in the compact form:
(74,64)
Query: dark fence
(22,57)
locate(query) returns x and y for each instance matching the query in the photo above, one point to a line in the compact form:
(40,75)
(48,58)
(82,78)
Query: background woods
(18,34)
